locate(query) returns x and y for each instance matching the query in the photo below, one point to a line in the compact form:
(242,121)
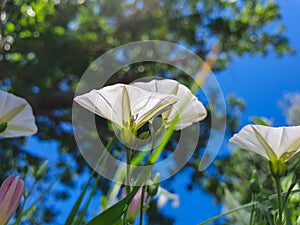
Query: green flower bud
(254,186)
(254,183)
(153,187)
(42,170)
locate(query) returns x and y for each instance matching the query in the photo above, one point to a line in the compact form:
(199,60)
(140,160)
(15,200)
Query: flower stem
(279,199)
(142,205)
(128,162)
(252,209)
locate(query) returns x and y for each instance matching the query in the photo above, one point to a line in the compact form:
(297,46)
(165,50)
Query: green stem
(128,162)
(252,209)
(279,199)
(19,218)
(227,213)
(142,205)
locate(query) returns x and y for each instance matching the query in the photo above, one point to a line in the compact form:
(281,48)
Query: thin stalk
(23,213)
(128,161)
(252,209)
(288,194)
(142,205)
(18,220)
(279,199)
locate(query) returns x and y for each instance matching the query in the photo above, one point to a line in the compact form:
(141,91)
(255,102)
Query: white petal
(190,109)
(145,105)
(279,139)
(107,103)
(22,124)
(162,201)
(246,139)
(164,196)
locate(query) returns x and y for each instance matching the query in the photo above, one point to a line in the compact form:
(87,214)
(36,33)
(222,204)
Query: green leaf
(120,222)
(42,170)
(227,213)
(80,218)
(73,213)
(113,214)
(103,202)
(266,146)
(260,121)
(75,208)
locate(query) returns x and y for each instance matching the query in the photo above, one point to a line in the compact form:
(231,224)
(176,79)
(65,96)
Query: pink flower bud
(10,195)
(135,205)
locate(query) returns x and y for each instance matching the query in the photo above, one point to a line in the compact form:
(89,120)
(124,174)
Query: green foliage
(235,189)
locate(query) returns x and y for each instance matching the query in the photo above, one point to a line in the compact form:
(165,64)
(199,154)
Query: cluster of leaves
(45,46)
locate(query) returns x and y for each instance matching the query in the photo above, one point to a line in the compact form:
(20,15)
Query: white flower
(189,108)
(164,196)
(127,106)
(273,143)
(16,117)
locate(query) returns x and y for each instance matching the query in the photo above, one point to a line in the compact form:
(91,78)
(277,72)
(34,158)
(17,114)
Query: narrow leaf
(75,208)
(114,213)
(227,213)
(73,213)
(80,218)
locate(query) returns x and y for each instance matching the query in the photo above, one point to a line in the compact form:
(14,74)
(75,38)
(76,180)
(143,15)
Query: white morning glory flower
(16,117)
(273,143)
(164,196)
(127,106)
(189,108)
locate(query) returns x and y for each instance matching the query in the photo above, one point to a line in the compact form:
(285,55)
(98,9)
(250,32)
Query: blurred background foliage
(46,45)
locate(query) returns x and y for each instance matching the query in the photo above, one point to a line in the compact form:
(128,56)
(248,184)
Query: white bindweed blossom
(189,108)
(273,143)
(164,196)
(16,116)
(127,106)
